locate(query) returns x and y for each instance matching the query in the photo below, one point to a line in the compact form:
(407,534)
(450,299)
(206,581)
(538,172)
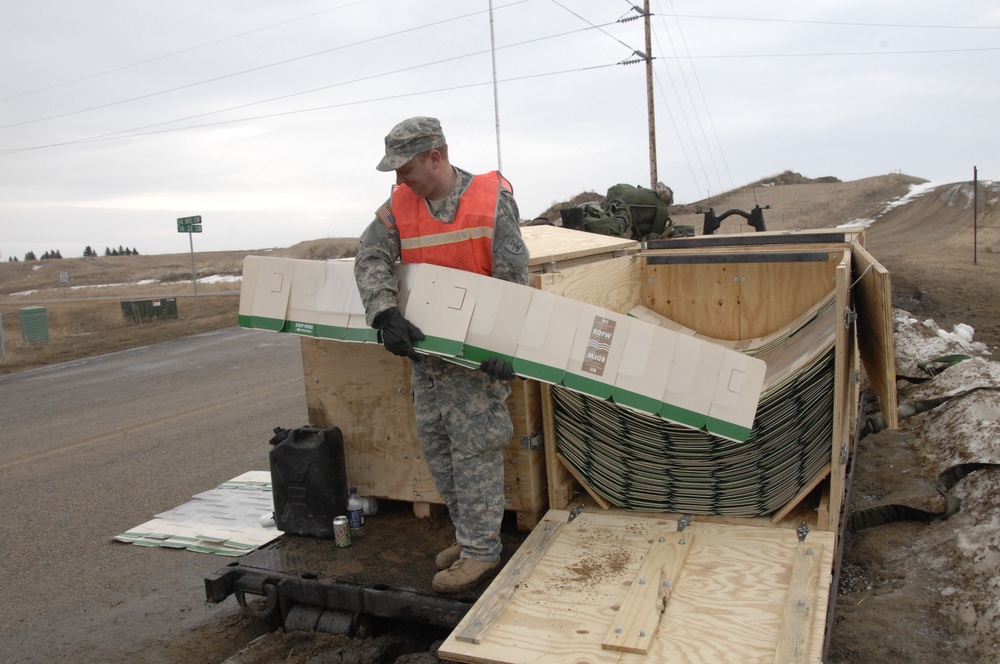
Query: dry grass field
(85,316)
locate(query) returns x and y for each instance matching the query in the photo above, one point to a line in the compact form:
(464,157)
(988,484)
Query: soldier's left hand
(497,368)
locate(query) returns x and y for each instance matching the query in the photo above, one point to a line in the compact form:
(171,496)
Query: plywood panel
(873,298)
(728,603)
(610,284)
(365,391)
(702,297)
(737,296)
(773,294)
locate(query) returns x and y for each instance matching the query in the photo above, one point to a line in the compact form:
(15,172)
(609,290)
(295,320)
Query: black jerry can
(308,480)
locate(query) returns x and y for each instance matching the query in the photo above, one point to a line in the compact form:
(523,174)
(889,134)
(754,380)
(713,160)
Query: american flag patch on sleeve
(385,215)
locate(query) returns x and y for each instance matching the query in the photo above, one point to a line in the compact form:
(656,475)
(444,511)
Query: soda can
(341,532)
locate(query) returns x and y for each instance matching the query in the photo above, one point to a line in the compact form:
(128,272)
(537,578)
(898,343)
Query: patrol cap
(408,139)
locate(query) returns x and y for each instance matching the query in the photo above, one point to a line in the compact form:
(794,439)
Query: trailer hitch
(267,590)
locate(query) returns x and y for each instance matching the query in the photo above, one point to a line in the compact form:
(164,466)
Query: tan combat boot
(448,557)
(463,575)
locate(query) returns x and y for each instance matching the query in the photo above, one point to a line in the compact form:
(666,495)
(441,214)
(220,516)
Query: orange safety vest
(464,244)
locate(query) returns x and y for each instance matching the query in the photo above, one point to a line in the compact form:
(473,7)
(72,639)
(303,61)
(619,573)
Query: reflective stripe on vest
(464,244)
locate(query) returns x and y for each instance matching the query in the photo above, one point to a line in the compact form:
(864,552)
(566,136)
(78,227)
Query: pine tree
(30,256)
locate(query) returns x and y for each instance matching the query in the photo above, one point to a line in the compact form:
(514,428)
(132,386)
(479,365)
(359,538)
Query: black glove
(396,332)
(497,368)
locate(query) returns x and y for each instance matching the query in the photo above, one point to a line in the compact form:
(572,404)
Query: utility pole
(653,178)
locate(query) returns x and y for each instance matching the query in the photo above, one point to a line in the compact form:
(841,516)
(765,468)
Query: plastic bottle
(356,514)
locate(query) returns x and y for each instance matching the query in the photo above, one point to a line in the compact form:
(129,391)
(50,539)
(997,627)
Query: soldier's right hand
(397,333)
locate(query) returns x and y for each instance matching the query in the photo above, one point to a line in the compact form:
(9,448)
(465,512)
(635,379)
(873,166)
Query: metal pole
(496,99)
(975,215)
(194,277)
(653,178)
(3,347)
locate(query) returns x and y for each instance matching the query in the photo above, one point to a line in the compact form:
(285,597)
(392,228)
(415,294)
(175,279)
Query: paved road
(91,448)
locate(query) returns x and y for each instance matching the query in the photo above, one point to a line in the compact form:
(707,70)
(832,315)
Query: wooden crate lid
(554,243)
(610,588)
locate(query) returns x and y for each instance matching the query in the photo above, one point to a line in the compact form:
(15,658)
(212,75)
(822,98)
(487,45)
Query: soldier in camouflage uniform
(461,414)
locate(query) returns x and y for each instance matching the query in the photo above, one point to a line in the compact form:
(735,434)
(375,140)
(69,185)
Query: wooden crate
(609,585)
(365,391)
(735,288)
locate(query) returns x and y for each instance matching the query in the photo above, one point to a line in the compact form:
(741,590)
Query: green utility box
(34,324)
(140,311)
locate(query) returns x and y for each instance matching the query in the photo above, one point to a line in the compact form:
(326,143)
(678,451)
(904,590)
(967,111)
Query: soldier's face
(420,175)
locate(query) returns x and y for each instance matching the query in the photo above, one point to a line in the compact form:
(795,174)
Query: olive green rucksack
(596,220)
(628,211)
(646,214)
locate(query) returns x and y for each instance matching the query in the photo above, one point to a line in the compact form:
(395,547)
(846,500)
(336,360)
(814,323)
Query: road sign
(189,224)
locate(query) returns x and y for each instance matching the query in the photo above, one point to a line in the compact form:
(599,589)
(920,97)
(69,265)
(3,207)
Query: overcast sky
(267,118)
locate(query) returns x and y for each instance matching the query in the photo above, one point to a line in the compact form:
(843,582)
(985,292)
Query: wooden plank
(494,601)
(638,617)
(554,243)
(583,483)
(841,389)
(873,297)
(789,248)
(823,511)
(801,495)
(800,606)
(681,258)
(754,239)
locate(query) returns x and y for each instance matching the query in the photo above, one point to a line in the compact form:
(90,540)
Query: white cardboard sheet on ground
(224,520)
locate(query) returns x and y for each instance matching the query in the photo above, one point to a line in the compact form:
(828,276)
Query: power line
(605,32)
(180,52)
(841,23)
(119,136)
(297,94)
(591,25)
(247,71)
(708,110)
(842,54)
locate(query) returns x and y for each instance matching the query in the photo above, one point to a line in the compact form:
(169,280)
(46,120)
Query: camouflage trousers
(464,425)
